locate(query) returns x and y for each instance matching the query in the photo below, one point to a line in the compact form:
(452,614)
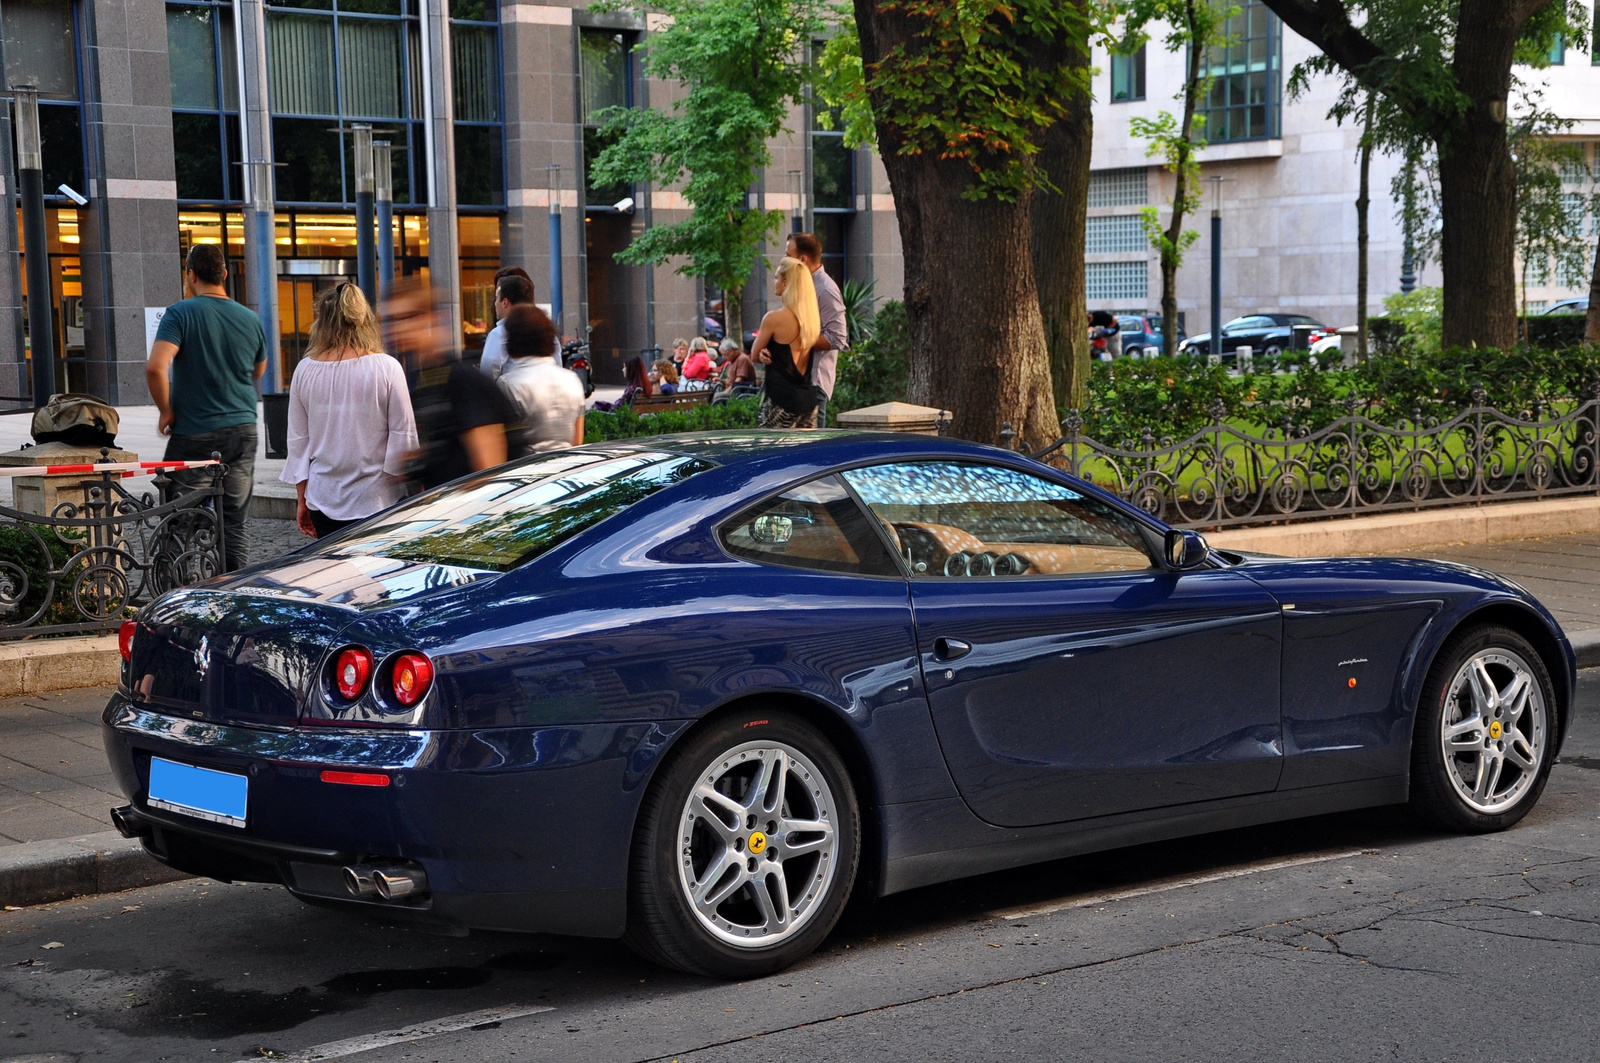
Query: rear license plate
(217,796)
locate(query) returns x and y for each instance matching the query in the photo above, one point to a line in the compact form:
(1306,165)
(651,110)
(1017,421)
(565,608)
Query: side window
(816,526)
(956,520)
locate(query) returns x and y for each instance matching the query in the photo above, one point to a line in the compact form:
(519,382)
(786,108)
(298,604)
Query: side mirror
(1186,550)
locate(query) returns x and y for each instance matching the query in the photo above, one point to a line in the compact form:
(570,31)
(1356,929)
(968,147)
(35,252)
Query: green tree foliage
(741,65)
(875,370)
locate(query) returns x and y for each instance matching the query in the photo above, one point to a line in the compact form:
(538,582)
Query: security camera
(623,205)
(70,193)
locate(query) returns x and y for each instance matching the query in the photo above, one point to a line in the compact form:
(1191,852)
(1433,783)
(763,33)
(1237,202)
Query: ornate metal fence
(1223,476)
(91,563)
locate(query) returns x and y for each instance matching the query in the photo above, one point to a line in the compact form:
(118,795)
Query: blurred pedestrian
(462,416)
(1105,335)
(351,431)
(548,398)
(784,345)
(215,351)
(834,336)
(737,368)
(512,287)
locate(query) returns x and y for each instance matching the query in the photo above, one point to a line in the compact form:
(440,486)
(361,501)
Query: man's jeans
(237,448)
(822,406)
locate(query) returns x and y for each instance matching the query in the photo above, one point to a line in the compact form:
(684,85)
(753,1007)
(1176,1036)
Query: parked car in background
(1269,334)
(1569,306)
(1141,335)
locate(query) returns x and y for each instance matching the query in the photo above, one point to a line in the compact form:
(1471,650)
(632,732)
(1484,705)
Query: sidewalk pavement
(56,790)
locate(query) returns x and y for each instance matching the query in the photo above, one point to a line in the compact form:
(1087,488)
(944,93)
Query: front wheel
(746,849)
(1485,732)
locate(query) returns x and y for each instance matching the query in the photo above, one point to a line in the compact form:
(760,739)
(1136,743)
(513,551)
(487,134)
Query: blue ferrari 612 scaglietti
(694,690)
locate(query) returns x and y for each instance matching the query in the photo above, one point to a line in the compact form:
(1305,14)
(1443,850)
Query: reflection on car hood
(357,582)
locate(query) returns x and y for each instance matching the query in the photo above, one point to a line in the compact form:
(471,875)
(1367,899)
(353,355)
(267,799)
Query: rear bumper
(516,829)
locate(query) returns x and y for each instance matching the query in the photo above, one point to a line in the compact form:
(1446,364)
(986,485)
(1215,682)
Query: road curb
(1586,646)
(36,665)
(41,872)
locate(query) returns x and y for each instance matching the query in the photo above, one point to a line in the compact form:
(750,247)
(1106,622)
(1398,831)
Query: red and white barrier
(127,468)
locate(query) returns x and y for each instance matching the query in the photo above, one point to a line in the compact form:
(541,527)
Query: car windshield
(1130,324)
(507,516)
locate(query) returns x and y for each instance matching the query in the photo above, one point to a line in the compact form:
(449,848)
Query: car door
(1067,673)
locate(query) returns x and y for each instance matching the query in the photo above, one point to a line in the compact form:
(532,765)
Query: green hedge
(19,548)
(1172,397)
(625,424)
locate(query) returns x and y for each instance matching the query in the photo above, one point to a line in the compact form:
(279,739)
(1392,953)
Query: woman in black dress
(784,346)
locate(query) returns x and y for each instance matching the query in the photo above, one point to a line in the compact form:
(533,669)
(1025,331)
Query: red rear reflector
(356,778)
(125,637)
(413,674)
(351,670)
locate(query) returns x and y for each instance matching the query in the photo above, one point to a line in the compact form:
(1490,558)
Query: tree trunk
(1591,325)
(1170,260)
(977,334)
(1059,222)
(1478,184)
(1363,202)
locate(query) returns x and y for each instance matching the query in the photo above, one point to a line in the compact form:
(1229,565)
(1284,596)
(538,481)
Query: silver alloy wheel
(756,844)
(1493,730)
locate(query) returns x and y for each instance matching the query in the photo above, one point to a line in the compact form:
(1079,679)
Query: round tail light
(413,675)
(125,635)
(351,671)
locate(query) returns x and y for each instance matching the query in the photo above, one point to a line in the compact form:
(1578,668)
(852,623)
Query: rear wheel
(746,849)
(1485,732)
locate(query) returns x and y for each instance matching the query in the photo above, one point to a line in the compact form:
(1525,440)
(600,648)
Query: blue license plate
(217,796)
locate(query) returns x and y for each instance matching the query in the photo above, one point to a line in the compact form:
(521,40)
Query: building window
(204,76)
(1125,282)
(1127,76)
(1115,234)
(475,90)
(347,61)
(1119,188)
(1558,50)
(1246,77)
(607,60)
(833,190)
(41,50)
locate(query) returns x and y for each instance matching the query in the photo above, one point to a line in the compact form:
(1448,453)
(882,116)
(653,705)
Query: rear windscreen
(499,519)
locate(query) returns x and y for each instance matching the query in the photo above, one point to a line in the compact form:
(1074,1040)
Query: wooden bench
(683,400)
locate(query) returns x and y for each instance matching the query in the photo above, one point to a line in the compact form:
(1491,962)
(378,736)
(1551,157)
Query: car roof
(826,446)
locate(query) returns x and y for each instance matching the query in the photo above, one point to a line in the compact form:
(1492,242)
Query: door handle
(950,649)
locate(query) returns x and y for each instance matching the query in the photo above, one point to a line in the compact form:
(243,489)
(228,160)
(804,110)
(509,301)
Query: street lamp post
(383,194)
(1408,270)
(797,187)
(554,173)
(30,182)
(1216,266)
(366,275)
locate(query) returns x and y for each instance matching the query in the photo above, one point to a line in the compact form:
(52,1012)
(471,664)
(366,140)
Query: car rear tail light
(356,778)
(125,635)
(351,671)
(412,675)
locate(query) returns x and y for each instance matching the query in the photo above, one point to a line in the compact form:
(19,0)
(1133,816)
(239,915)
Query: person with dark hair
(511,288)
(834,336)
(636,381)
(548,397)
(1105,335)
(202,371)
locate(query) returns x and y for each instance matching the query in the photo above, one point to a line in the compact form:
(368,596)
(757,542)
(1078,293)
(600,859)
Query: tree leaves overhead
(741,65)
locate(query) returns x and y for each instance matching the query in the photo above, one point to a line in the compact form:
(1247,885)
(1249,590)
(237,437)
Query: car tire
(1272,350)
(1470,732)
(744,901)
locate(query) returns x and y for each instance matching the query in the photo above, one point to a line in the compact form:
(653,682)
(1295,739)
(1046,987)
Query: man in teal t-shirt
(215,351)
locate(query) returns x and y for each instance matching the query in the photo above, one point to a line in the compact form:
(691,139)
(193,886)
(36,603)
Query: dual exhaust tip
(367,883)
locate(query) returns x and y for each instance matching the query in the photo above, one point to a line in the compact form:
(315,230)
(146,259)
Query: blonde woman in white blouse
(351,429)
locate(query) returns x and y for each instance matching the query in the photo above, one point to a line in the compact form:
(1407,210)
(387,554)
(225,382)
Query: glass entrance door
(297,296)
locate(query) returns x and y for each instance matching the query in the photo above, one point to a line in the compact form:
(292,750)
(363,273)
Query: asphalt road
(1353,937)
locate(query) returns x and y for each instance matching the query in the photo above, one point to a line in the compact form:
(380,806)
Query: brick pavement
(54,782)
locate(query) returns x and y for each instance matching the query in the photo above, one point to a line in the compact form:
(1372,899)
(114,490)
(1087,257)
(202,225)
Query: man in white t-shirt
(549,397)
(511,288)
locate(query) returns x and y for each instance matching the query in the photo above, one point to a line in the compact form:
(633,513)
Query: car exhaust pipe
(384,883)
(396,882)
(358,880)
(129,823)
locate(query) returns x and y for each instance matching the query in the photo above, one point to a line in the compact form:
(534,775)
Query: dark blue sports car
(695,690)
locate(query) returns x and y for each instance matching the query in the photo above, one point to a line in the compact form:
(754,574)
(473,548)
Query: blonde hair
(698,344)
(342,318)
(800,296)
